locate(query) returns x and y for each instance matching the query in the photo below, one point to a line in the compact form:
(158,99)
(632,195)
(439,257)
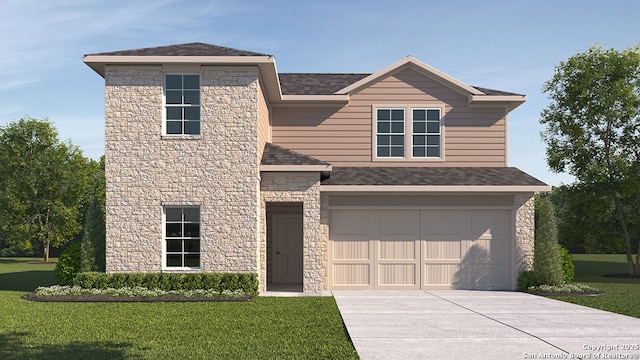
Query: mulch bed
(108,298)
(568,294)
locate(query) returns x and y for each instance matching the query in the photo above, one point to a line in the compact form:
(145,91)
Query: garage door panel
(351,274)
(397,275)
(489,223)
(480,277)
(397,250)
(446,224)
(442,249)
(350,225)
(351,250)
(439,275)
(398,225)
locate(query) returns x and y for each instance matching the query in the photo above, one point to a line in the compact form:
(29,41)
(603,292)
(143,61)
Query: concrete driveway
(459,324)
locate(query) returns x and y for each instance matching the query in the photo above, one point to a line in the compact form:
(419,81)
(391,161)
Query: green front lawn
(621,294)
(266,327)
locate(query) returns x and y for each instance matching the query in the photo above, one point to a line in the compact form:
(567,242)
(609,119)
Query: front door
(287,249)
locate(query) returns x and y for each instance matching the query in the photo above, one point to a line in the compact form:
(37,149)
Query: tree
(593,129)
(547,261)
(42,181)
(94,232)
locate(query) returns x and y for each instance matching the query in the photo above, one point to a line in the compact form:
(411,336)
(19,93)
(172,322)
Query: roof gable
(277,155)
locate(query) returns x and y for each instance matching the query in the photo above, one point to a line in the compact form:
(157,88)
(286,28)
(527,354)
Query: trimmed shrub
(547,262)
(69,264)
(568,269)
(527,279)
(94,237)
(247,282)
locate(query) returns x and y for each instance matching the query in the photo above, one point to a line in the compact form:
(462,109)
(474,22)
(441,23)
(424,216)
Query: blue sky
(506,45)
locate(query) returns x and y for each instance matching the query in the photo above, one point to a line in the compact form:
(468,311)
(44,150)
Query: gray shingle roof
(276,155)
(496,92)
(445,176)
(191,49)
(316,84)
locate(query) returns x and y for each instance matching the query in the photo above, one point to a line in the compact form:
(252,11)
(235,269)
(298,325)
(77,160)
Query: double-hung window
(390,136)
(408,133)
(182,237)
(182,104)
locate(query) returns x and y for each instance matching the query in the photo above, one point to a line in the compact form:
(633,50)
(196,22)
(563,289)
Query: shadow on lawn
(13,346)
(26,280)
(594,271)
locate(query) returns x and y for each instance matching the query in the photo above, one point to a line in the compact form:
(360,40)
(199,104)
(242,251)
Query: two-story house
(399,179)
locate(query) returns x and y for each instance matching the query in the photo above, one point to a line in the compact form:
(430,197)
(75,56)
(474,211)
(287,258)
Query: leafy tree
(593,129)
(42,181)
(94,235)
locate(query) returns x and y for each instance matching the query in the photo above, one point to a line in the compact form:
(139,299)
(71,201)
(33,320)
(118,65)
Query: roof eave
(437,188)
(509,101)
(315,100)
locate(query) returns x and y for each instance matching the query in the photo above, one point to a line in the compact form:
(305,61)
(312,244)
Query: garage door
(419,249)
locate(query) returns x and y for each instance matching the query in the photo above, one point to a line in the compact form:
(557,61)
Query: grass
(266,327)
(621,294)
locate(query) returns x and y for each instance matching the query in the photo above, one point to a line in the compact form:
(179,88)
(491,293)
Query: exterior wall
(300,187)
(525,231)
(420,200)
(216,170)
(472,136)
(264,128)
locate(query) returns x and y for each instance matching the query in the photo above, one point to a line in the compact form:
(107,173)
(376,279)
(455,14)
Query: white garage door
(420,249)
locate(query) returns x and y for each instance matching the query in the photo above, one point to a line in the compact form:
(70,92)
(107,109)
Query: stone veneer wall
(216,170)
(525,232)
(301,187)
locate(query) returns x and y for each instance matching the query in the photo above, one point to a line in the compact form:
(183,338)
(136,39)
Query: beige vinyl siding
(472,136)
(263,122)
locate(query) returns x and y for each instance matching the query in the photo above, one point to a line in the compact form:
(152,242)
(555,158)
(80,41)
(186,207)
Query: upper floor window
(408,133)
(426,133)
(390,135)
(182,237)
(182,104)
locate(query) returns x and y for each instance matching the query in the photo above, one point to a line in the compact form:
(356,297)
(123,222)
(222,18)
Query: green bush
(69,264)
(547,262)
(247,282)
(568,269)
(527,279)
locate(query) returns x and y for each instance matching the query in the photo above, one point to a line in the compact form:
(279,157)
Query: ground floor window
(182,236)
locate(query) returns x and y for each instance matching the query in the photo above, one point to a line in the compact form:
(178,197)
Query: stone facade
(216,170)
(298,187)
(525,231)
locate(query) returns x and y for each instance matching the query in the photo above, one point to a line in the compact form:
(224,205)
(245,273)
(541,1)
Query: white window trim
(408,132)
(164,240)
(164,134)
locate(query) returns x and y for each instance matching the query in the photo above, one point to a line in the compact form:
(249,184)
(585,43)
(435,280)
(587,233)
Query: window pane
(173,214)
(192,260)
(174,113)
(419,127)
(397,151)
(433,114)
(419,140)
(418,152)
(192,97)
(174,229)
(174,245)
(383,151)
(192,113)
(192,245)
(384,114)
(174,260)
(419,115)
(192,230)
(384,127)
(397,127)
(174,82)
(397,114)
(174,97)
(383,140)
(174,127)
(192,214)
(433,127)
(433,139)
(192,127)
(191,82)
(433,151)
(397,139)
